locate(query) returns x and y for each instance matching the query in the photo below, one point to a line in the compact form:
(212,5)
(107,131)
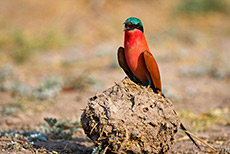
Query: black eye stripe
(131,26)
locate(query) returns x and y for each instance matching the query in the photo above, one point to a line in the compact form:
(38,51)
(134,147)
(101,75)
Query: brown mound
(130,118)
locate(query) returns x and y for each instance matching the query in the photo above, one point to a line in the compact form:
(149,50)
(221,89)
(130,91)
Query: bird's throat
(133,38)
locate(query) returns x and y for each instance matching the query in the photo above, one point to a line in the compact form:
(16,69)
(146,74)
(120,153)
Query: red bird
(138,62)
(136,59)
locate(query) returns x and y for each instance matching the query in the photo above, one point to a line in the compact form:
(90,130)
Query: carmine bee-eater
(136,59)
(138,62)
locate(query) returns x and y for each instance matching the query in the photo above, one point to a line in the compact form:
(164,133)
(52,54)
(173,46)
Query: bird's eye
(129,26)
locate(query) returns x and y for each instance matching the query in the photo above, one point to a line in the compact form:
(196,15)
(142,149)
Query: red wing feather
(152,67)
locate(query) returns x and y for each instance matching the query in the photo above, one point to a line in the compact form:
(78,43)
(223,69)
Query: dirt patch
(79,144)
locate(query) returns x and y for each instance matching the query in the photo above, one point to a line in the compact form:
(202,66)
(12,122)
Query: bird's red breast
(134,46)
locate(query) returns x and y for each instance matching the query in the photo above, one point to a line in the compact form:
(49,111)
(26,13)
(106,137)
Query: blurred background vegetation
(30,27)
(47,47)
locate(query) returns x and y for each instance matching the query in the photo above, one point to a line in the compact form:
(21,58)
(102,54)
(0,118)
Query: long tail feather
(188,134)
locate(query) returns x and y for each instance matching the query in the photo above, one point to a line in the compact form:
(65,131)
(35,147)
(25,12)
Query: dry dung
(130,118)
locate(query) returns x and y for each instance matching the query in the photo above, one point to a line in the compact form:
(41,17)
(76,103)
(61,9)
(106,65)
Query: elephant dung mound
(129,118)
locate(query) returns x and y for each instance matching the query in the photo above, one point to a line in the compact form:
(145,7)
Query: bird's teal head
(133,23)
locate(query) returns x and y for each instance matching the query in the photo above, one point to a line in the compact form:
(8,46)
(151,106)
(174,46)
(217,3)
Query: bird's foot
(160,93)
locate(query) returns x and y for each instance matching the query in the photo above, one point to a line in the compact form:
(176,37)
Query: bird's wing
(152,67)
(123,64)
